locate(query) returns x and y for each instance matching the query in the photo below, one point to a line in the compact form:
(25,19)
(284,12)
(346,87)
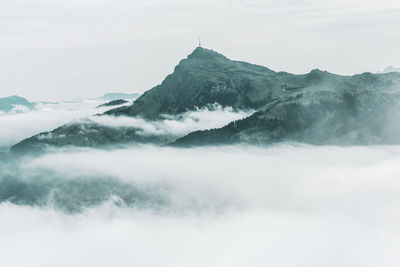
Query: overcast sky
(63,49)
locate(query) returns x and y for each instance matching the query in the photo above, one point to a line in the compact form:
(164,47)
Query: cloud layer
(48,116)
(214,116)
(16,126)
(230,206)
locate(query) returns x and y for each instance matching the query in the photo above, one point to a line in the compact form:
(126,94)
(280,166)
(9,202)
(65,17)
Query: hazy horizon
(54,50)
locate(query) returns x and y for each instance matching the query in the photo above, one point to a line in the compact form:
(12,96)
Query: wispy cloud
(48,116)
(16,126)
(213,116)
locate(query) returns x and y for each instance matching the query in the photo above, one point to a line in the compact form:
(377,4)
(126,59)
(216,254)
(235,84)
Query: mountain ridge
(317,107)
(7,104)
(202,76)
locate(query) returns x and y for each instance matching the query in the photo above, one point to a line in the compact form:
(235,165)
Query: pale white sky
(63,49)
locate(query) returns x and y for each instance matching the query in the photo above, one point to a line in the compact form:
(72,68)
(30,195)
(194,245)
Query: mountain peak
(204,53)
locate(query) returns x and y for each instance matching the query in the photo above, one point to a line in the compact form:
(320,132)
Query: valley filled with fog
(286,204)
(199,133)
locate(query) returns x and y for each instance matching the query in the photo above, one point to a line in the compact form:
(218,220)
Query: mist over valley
(221,162)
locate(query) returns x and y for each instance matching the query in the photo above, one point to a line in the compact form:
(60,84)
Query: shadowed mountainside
(204,77)
(318,107)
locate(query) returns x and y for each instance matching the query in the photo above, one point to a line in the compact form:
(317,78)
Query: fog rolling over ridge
(84,129)
(210,206)
(318,108)
(19,123)
(199,133)
(114,186)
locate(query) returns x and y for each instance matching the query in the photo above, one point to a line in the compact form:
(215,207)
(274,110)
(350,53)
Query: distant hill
(391,69)
(318,107)
(9,103)
(117,96)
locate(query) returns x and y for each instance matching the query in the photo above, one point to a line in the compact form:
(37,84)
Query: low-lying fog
(284,205)
(23,123)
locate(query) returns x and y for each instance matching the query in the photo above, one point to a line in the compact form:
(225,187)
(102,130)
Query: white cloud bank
(213,116)
(46,117)
(287,205)
(15,126)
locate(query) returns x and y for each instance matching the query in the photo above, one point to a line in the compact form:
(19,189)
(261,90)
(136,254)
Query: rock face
(318,107)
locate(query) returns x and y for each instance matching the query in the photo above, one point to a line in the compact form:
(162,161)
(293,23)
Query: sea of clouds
(282,205)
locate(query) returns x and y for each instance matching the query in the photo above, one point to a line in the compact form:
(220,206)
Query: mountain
(318,107)
(9,103)
(117,96)
(86,133)
(205,77)
(337,117)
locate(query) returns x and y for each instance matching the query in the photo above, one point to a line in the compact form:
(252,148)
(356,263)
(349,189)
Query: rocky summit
(318,107)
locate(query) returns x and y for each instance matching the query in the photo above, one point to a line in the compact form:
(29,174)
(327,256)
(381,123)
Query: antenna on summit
(199,42)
